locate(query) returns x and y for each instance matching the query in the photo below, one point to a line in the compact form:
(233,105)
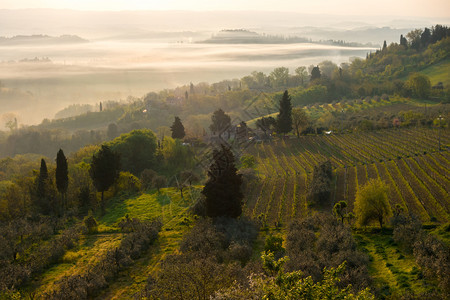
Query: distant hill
(41,39)
(243,36)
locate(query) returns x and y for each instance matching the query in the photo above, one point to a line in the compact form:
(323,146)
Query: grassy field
(439,73)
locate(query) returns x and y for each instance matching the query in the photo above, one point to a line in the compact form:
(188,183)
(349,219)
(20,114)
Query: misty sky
(399,8)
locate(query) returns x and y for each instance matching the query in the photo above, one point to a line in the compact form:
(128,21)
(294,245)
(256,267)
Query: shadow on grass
(116,209)
(162,199)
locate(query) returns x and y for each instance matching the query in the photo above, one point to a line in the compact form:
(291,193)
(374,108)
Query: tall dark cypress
(62,175)
(223,196)
(177,129)
(42,179)
(44,193)
(284,118)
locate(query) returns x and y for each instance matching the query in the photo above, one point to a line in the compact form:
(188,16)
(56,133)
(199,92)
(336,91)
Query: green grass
(172,210)
(439,72)
(442,232)
(76,260)
(166,205)
(392,270)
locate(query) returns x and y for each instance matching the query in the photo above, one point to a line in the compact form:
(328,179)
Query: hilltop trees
(177,129)
(302,74)
(279,77)
(315,73)
(284,118)
(136,149)
(223,196)
(62,176)
(403,41)
(104,170)
(372,203)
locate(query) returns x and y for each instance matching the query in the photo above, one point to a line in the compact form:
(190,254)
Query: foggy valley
(113,55)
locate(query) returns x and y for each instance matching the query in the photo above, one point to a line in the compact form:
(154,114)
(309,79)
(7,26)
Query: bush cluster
(431,254)
(322,241)
(25,250)
(212,257)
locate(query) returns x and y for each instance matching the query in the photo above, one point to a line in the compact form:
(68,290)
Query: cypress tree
(44,192)
(223,196)
(284,118)
(62,175)
(42,179)
(177,129)
(315,73)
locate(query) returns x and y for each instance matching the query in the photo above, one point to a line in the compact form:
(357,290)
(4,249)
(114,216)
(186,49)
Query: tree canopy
(105,169)
(420,85)
(372,203)
(136,149)
(299,119)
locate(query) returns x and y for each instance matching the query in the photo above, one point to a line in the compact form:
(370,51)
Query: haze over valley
(54,60)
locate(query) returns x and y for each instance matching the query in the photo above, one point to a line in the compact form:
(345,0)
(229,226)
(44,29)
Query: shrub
(90,223)
(248,161)
(274,244)
(127,182)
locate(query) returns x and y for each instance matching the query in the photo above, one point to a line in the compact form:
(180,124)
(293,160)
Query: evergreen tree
(284,118)
(62,177)
(177,129)
(223,196)
(315,73)
(42,179)
(425,38)
(104,170)
(220,121)
(44,192)
(242,131)
(403,41)
(384,46)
